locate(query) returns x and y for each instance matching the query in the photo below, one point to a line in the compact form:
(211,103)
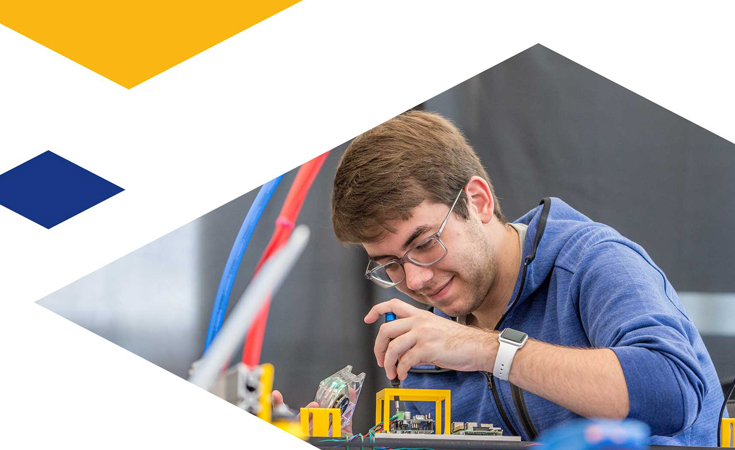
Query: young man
(590,325)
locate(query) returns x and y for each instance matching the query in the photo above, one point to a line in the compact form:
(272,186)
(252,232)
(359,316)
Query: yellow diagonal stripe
(131,41)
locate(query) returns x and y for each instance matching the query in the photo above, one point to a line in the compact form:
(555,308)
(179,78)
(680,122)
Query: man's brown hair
(391,169)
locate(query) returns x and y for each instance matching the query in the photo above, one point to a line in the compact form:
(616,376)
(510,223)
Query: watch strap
(504,359)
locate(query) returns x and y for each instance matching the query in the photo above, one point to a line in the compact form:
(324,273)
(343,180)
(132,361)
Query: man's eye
(426,245)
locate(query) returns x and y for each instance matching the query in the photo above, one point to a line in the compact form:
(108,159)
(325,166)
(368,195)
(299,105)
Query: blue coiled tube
(233,262)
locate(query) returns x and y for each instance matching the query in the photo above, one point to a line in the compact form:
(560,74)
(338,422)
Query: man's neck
(492,309)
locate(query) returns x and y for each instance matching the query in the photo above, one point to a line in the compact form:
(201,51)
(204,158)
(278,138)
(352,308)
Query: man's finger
(388,331)
(409,359)
(399,307)
(396,351)
(276,398)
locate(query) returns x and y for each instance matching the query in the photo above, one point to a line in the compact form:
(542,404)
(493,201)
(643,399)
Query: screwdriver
(395,382)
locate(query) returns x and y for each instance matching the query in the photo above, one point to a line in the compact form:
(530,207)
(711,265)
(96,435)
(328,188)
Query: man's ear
(480,199)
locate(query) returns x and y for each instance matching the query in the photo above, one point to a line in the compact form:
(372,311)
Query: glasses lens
(428,252)
(389,275)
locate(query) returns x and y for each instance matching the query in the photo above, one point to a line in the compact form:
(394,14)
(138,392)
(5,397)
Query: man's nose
(416,276)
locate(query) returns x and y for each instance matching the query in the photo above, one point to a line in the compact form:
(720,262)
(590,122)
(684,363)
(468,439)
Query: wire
(267,281)
(370,434)
(233,261)
(284,224)
(722,411)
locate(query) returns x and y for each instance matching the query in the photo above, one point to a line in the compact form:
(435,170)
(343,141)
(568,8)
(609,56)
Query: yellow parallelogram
(132,41)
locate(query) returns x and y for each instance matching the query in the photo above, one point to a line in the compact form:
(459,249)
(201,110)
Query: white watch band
(504,359)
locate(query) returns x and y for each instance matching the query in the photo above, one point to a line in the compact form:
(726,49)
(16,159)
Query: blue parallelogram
(49,189)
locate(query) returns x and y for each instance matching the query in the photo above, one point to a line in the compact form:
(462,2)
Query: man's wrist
(489,351)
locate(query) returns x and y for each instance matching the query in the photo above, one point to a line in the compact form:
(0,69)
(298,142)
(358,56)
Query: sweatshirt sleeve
(625,304)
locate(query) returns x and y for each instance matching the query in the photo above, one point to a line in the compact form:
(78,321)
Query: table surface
(328,443)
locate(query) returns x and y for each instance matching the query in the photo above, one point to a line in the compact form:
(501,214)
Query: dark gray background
(543,126)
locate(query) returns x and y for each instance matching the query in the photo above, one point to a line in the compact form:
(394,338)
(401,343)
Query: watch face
(513,335)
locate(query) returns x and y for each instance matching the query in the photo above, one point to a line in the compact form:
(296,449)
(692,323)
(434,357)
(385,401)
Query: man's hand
(421,337)
(589,382)
(277,399)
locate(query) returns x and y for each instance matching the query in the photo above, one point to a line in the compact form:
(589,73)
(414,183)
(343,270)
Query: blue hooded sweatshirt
(587,286)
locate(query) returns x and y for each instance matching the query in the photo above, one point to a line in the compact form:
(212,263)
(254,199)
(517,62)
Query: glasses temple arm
(446,219)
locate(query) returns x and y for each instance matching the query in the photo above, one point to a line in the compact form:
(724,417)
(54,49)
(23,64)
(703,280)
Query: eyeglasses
(426,253)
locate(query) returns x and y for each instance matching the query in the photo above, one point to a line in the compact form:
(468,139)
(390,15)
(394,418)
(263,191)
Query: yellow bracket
(291,427)
(266,387)
(320,421)
(728,433)
(384,398)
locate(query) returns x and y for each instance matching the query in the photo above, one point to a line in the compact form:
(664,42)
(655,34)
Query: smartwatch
(510,341)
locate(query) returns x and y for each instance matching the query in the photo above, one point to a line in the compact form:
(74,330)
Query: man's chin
(451,309)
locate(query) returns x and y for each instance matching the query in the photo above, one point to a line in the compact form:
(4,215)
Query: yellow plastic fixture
(266,388)
(291,427)
(728,433)
(386,396)
(320,421)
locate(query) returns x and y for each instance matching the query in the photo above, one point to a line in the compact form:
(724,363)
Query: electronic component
(418,424)
(440,398)
(333,393)
(341,391)
(473,429)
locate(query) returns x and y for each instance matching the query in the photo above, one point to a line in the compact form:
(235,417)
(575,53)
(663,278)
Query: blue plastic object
(395,382)
(597,434)
(236,254)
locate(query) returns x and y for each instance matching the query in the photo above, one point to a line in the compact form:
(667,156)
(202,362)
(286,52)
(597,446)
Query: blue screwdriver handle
(390,317)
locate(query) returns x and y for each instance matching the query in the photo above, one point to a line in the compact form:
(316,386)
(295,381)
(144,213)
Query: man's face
(459,283)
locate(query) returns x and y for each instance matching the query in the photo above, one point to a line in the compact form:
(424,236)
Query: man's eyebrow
(416,233)
(379,257)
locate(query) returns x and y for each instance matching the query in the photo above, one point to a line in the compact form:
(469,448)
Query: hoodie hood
(555,231)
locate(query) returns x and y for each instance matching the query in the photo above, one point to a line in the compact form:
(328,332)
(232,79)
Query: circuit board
(473,429)
(407,424)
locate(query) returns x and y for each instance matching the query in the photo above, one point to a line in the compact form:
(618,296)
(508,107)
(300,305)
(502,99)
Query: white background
(239,114)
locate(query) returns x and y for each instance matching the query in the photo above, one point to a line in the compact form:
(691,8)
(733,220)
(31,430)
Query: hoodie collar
(545,239)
